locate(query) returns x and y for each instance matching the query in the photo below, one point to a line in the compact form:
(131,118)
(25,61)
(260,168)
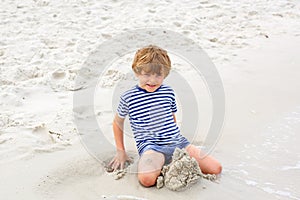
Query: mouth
(151,86)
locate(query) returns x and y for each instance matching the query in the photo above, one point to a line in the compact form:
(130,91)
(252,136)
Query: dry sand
(254,45)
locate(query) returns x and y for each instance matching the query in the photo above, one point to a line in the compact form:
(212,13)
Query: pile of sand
(181,172)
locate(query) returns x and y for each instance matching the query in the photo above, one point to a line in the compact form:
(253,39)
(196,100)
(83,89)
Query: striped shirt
(151,116)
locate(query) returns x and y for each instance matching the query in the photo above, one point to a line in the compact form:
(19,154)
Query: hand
(118,162)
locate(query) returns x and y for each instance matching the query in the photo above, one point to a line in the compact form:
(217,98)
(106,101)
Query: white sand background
(43,44)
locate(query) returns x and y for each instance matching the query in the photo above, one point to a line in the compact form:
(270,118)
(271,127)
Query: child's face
(150,81)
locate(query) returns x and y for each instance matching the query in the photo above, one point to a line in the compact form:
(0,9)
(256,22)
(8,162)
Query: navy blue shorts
(166,150)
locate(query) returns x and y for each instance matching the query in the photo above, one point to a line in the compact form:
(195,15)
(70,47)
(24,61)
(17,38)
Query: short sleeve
(122,109)
(173,103)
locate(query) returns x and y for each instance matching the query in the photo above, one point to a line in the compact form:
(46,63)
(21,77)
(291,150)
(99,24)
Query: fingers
(116,165)
(111,162)
(122,165)
(119,162)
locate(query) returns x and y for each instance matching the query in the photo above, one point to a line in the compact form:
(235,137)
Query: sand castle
(182,172)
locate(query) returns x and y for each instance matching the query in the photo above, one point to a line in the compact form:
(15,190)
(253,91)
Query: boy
(151,108)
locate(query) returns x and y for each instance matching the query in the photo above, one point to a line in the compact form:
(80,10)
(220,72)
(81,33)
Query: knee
(217,169)
(147,179)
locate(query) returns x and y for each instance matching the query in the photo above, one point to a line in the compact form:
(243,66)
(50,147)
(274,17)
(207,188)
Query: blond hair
(151,59)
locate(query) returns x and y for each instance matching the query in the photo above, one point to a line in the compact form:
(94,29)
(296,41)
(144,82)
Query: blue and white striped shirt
(151,116)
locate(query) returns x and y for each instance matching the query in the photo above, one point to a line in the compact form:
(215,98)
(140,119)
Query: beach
(45,45)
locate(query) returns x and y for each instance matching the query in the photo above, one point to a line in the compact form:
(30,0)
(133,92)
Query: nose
(152,78)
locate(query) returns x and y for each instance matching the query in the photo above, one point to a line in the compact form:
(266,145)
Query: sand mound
(181,172)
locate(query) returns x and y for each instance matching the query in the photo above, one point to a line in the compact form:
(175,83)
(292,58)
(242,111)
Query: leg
(149,167)
(208,164)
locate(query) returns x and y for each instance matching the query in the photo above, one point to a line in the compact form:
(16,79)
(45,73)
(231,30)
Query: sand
(44,44)
(181,173)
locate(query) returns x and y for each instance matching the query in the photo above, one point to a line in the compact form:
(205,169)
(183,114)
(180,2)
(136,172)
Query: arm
(118,125)
(121,156)
(174,117)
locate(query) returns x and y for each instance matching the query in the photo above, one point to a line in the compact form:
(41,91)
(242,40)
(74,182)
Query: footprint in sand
(58,74)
